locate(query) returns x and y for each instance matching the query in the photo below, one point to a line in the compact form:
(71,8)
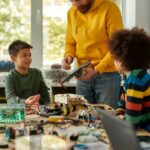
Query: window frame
(37,31)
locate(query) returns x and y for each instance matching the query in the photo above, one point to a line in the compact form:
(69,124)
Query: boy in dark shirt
(24,84)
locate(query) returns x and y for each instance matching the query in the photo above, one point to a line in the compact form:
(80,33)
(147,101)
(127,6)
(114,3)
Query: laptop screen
(121,134)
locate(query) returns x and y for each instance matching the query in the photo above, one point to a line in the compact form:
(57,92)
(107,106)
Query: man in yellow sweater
(89,26)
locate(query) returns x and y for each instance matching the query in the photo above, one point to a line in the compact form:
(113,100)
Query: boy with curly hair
(131,51)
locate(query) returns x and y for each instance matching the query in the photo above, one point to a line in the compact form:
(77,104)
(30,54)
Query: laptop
(121,134)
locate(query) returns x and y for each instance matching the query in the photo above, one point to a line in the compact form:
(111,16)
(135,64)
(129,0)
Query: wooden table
(60,128)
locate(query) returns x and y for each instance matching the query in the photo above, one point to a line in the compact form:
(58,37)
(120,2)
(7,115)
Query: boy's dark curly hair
(131,48)
(16,46)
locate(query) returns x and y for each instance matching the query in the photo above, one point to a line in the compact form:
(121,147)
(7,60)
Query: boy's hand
(121,116)
(38,97)
(35,106)
(33,100)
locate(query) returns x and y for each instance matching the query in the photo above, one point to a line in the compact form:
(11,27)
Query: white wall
(137,14)
(142,14)
(129,13)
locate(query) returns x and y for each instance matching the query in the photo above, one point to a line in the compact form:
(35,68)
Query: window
(54,28)
(39,22)
(14,24)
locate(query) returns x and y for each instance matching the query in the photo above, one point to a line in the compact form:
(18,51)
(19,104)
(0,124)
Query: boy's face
(83,5)
(119,67)
(23,59)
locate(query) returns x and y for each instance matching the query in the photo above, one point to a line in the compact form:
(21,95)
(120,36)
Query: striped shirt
(135,103)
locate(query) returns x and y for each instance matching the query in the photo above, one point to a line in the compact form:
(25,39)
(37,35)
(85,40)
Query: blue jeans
(101,89)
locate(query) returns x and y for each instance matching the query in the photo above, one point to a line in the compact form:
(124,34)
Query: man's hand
(88,73)
(66,62)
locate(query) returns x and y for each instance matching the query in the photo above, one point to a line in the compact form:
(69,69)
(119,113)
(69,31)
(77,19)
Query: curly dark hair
(16,46)
(131,48)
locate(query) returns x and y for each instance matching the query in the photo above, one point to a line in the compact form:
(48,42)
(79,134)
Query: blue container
(80,147)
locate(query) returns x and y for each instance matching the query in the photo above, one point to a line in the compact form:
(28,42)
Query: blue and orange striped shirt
(135,103)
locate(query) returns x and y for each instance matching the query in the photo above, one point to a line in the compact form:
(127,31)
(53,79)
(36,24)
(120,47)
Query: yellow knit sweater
(87,34)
